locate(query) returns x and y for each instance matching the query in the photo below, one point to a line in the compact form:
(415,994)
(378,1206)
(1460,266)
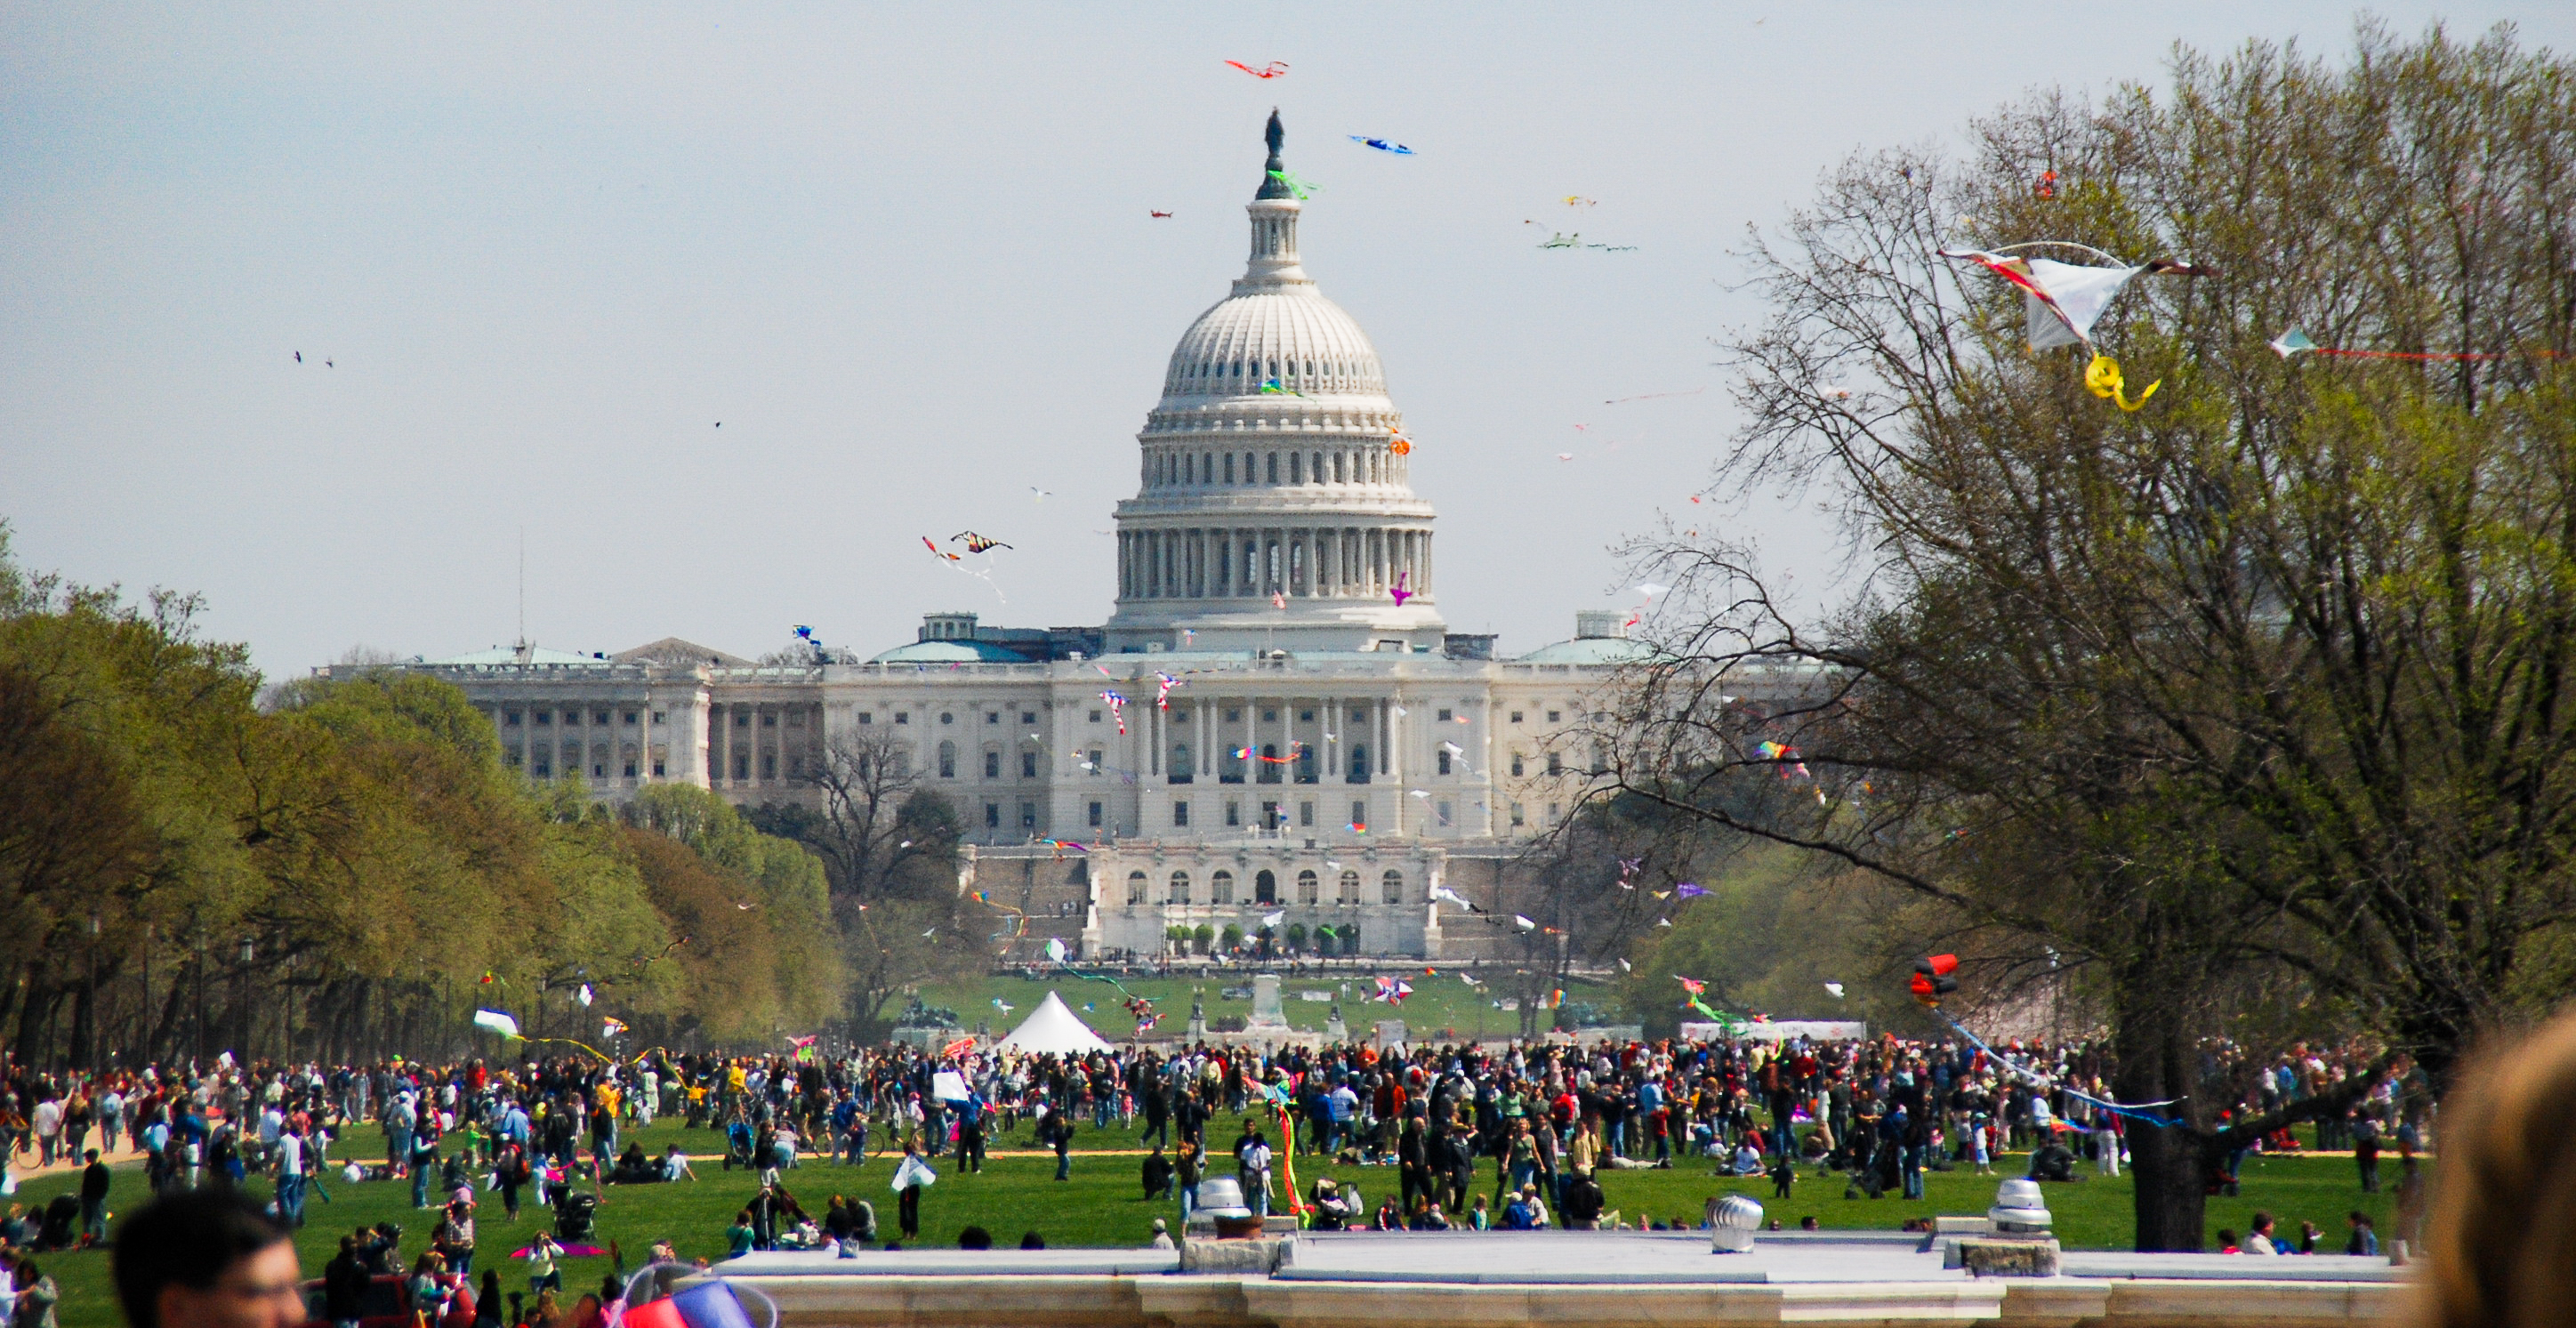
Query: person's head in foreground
(207,1259)
(2500,1250)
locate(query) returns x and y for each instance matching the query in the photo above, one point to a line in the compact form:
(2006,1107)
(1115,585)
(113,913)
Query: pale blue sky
(902,252)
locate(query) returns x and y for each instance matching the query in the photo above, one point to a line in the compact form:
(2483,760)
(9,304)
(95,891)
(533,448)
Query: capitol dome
(1275,509)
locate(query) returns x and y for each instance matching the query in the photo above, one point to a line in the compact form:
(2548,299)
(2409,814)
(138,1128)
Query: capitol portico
(1274,719)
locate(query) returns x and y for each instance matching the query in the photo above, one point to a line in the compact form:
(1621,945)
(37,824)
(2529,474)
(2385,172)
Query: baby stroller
(573,1216)
(738,1141)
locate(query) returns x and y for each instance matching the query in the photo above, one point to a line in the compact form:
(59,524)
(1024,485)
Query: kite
(1655,396)
(800,1043)
(2045,187)
(1401,594)
(610,1026)
(1398,443)
(1271,70)
(1060,845)
(584,996)
(1382,145)
(1043,494)
(1274,388)
(497,1022)
(1565,456)
(489,977)
(1279,918)
(1523,923)
(1446,895)
(1163,691)
(977,543)
(1421,793)
(938,552)
(1578,200)
(1055,951)
(998,1004)
(1692,985)
(1663,922)
(1392,990)
(1296,185)
(1117,710)
(1932,979)
(2295,342)
(1626,967)
(1278,599)
(1152,213)
(1561,240)
(1786,757)
(1689,891)
(1836,988)
(2062,301)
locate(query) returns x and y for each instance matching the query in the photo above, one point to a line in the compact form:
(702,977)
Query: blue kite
(1383,146)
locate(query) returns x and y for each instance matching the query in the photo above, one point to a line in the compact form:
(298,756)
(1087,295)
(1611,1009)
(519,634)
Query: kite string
(2137,1110)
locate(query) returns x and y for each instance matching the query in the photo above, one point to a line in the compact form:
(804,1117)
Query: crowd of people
(1543,1121)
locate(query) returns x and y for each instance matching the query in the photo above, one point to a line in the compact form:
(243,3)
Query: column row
(1297,561)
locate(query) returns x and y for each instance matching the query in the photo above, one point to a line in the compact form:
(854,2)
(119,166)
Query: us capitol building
(1327,748)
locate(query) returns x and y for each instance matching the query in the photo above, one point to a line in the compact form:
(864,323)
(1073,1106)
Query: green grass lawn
(1442,1006)
(1103,1205)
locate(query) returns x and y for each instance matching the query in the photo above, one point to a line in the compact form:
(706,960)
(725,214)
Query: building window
(660,717)
(795,719)
(1269,716)
(1094,762)
(1444,813)
(1180,768)
(1517,763)
(630,769)
(1229,467)
(1309,890)
(1359,816)
(947,760)
(741,720)
(1552,716)
(1180,887)
(742,766)
(1555,813)
(1028,765)
(769,719)
(1272,817)
(1359,763)
(1306,814)
(1274,469)
(1233,716)
(1350,893)
(659,768)
(1233,813)
(992,765)
(1028,717)
(769,766)
(992,816)
(1093,820)
(903,717)
(795,766)
(1269,764)
(1392,884)
(1095,716)
(1556,763)
(510,719)
(1517,819)
(867,717)
(1444,717)
(545,768)
(1265,887)
(1306,716)
(510,757)
(1221,887)
(1028,816)
(1181,815)
(1516,717)
(947,718)
(1305,764)
(992,716)
(1135,884)
(545,717)
(572,719)
(1444,760)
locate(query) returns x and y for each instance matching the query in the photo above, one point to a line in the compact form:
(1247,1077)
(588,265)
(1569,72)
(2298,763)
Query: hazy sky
(903,253)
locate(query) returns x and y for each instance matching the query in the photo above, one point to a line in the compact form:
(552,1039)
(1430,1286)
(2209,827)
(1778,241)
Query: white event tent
(1053,1028)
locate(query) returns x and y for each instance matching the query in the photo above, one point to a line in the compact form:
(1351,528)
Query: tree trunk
(2156,1062)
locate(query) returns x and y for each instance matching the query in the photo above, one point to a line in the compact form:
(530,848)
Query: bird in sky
(1042,494)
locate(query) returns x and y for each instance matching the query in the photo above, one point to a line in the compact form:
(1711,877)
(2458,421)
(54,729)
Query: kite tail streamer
(603,1056)
(1727,1020)
(2103,377)
(2132,1110)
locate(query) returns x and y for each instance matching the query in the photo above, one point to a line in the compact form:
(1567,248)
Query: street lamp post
(89,1020)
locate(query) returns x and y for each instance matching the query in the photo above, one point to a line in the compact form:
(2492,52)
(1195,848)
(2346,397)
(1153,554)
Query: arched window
(1135,887)
(1350,888)
(1394,883)
(1180,768)
(1265,887)
(1309,889)
(1305,765)
(947,760)
(1269,768)
(1221,887)
(1180,887)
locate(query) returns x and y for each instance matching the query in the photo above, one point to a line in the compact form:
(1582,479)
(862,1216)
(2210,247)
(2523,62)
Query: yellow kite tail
(2103,377)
